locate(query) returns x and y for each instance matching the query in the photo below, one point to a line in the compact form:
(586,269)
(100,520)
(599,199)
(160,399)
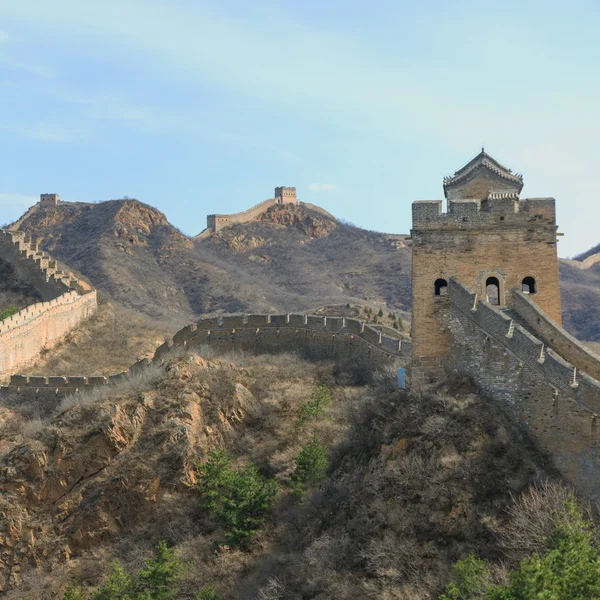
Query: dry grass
(108,343)
(416,481)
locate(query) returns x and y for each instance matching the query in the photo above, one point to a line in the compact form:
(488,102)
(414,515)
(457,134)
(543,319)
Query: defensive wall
(283,195)
(554,336)
(476,240)
(315,337)
(556,402)
(584,264)
(66,301)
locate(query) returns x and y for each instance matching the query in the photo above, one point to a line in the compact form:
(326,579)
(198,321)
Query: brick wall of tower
(474,240)
(481,185)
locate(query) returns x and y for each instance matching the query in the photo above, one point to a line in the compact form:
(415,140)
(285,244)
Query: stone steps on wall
(49,266)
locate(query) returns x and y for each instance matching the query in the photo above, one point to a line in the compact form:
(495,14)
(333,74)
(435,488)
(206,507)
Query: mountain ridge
(291,258)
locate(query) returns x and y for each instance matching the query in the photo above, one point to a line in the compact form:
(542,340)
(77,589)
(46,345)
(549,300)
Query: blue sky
(198,107)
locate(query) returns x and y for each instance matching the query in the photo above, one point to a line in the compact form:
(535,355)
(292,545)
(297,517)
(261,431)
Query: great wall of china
(66,301)
(486,304)
(282,195)
(317,337)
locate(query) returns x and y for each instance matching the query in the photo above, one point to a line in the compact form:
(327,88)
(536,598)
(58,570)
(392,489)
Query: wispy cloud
(323,187)
(4,37)
(51,132)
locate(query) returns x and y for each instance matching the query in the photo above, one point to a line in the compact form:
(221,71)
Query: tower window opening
(440,287)
(528,285)
(492,290)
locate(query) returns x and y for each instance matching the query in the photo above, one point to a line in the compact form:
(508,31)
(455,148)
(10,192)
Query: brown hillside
(416,481)
(580,296)
(292,259)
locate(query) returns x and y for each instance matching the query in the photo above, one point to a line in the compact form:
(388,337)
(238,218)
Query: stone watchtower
(488,239)
(284,195)
(49,199)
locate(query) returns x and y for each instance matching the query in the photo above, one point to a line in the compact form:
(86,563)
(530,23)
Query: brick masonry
(314,337)
(493,235)
(537,388)
(66,302)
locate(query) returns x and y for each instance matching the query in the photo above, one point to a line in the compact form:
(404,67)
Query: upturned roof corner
(478,165)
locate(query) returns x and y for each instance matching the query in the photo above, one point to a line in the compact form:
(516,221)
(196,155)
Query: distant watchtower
(284,194)
(49,199)
(491,241)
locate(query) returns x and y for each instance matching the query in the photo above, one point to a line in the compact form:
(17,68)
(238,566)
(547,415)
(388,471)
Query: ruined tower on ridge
(489,240)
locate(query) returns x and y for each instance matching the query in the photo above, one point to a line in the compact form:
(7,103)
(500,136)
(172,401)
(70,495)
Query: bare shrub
(29,429)
(533,517)
(272,590)
(434,425)
(356,371)
(392,557)
(132,383)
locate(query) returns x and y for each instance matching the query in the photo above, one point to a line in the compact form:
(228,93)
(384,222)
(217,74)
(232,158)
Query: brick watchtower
(49,199)
(285,195)
(491,241)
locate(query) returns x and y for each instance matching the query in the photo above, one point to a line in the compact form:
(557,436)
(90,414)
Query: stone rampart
(586,263)
(554,336)
(66,302)
(315,337)
(32,265)
(283,195)
(25,334)
(558,405)
(473,214)
(217,222)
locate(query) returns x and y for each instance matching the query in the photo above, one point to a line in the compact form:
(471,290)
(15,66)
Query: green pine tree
(208,592)
(158,576)
(74,592)
(311,466)
(117,586)
(239,499)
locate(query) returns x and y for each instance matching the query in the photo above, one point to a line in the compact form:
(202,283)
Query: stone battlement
(214,223)
(49,200)
(318,337)
(66,301)
(549,396)
(498,211)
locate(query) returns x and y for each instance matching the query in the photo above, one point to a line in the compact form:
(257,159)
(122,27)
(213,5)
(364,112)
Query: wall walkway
(315,337)
(66,302)
(556,403)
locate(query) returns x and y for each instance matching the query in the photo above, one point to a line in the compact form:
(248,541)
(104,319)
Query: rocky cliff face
(306,221)
(100,468)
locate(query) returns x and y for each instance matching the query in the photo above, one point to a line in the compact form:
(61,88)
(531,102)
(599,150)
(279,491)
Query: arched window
(528,285)
(492,290)
(440,287)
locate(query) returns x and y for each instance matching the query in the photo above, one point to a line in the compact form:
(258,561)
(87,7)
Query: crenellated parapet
(553,399)
(316,337)
(214,223)
(66,301)
(498,211)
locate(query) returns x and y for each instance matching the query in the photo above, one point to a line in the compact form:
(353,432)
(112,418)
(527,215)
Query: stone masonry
(283,195)
(487,235)
(49,200)
(486,303)
(314,337)
(66,301)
